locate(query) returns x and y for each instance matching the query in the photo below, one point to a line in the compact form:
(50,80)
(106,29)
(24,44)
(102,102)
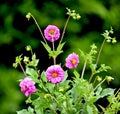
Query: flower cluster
(55,91)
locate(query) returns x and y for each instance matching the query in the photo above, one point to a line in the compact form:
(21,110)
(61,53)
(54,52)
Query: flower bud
(26,59)
(78,16)
(47,96)
(114,40)
(28,48)
(108,40)
(28,16)
(99,79)
(61,90)
(109,79)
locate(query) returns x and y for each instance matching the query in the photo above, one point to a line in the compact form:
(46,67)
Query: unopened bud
(28,16)
(99,79)
(109,79)
(47,96)
(26,59)
(114,40)
(61,90)
(28,48)
(108,40)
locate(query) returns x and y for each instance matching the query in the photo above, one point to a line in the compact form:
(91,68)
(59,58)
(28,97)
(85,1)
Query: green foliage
(76,95)
(13,33)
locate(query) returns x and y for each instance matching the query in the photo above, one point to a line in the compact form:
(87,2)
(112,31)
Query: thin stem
(98,57)
(22,69)
(99,84)
(54,58)
(39,28)
(83,71)
(64,29)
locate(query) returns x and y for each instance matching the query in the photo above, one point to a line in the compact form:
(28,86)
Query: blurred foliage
(16,32)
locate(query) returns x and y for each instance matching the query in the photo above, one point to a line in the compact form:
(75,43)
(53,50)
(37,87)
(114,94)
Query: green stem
(54,58)
(83,71)
(22,69)
(98,57)
(64,29)
(39,28)
(99,84)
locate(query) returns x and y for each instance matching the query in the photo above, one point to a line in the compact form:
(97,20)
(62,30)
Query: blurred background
(16,32)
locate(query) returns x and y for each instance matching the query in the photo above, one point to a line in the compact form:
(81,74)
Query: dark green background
(16,32)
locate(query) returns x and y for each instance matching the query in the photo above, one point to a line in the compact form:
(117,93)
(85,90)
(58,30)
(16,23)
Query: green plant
(55,91)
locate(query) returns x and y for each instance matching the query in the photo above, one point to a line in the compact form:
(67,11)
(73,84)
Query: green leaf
(47,47)
(107,91)
(89,109)
(43,76)
(24,111)
(60,46)
(32,73)
(77,75)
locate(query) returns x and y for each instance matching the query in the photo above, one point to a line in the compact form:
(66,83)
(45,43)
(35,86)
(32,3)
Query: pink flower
(27,86)
(55,74)
(52,33)
(72,61)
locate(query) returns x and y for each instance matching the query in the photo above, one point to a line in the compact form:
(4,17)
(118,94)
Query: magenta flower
(52,33)
(72,61)
(55,74)
(27,86)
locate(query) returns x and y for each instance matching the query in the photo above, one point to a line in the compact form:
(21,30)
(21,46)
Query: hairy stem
(99,84)
(39,28)
(22,69)
(98,57)
(64,29)
(54,58)
(83,70)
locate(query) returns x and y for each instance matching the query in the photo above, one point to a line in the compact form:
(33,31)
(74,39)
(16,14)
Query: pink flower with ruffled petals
(52,33)
(27,86)
(55,74)
(72,61)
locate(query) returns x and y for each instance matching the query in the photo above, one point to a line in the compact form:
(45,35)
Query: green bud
(28,16)
(15,65)
(26,59)
(28,48)
(114,40)
(111,30)
(78,16)
(61,90)
(47,96)
(109,79)
(108,40)
(99,79)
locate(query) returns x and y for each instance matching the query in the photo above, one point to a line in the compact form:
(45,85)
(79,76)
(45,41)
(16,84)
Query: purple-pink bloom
(72,61)
(52,33)
(55,74)
(27,86)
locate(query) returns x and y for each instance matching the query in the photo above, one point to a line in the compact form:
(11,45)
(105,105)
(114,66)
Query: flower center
(24,88)
(54,75)
(74,61)
(51,32)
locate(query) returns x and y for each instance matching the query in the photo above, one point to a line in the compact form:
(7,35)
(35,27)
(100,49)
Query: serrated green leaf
(60,46)
(47,47)
(77,75)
